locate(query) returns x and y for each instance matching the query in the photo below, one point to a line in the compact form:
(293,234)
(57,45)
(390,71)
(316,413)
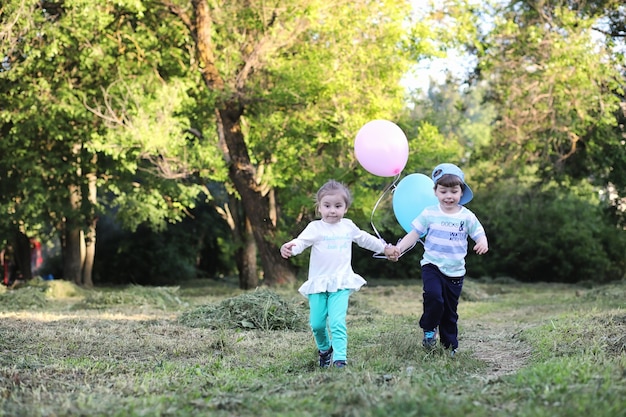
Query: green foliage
(460,116)
(312,97)
(557,86)
(112,89)
(302,139)
(180,252)
(124,100)
(547,233)
(94,88)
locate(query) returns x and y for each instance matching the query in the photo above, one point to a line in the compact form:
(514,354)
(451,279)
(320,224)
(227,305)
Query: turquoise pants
(328,310)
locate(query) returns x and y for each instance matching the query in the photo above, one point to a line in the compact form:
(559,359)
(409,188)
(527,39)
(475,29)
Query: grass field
(207,348)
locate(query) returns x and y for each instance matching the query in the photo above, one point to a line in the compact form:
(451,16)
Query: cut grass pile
(38,294)
(160,297)
(526,350)
(261,309)
(30,297)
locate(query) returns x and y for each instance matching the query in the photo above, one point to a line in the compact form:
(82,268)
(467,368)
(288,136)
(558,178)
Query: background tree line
(156,141)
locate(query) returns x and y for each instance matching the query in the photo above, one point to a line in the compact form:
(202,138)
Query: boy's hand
(285,250)
(392,253)
(481,246)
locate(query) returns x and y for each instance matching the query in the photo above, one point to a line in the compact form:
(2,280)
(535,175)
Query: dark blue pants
(441,299)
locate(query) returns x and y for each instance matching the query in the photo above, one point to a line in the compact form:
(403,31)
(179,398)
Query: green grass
(525,350)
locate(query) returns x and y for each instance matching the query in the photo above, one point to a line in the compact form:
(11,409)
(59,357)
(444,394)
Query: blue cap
(443,169)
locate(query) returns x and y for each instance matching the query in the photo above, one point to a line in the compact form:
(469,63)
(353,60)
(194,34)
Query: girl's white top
(330,266)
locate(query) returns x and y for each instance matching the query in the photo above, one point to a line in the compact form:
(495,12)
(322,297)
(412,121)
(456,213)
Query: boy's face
(333,207)
(449,197)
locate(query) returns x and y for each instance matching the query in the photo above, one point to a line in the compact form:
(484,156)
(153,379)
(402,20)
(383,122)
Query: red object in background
(6,259)
(35,254)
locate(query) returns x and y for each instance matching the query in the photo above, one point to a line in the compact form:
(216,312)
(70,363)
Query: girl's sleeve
(366,240)
(305,239)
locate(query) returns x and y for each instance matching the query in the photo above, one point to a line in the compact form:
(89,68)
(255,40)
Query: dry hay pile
(472,291)
(36,293)
(24,297)
(260,309)
(60,290)
(613,291)
(135,295)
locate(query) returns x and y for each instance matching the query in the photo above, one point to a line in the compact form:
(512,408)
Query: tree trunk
(71,241)
(246,252)
(276,270)
(241,171)
(22,255)
(70,251)
(248,273)
(89,255)
(90,236)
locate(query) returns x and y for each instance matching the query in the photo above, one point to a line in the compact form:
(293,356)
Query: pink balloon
(381,148)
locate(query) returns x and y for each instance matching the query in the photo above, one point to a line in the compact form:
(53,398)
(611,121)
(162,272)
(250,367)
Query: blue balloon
(412,195)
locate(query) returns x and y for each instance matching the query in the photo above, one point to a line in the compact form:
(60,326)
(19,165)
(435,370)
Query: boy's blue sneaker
(430,339)
(326,357)
(340,364)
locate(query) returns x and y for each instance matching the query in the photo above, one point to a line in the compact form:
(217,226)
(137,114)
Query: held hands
(392,253)
(285,250)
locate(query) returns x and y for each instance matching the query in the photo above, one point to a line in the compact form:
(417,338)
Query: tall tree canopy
(128,104)
(63,64)
(293,81)
(557,81)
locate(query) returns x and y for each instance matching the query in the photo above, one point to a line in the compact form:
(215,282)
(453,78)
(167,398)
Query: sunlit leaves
(555,85)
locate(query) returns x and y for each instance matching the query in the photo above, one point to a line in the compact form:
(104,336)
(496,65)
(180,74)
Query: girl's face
(449,197)
(332,207)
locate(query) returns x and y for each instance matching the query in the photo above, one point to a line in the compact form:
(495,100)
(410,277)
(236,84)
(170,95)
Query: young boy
(447,226)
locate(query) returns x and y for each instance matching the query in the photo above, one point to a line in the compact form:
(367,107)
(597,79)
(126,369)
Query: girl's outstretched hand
(285,250)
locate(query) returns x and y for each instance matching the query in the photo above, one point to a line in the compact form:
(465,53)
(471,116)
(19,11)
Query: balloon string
(385,191)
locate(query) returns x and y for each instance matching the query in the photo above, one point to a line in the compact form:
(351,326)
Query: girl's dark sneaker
(326,357)
(340,364)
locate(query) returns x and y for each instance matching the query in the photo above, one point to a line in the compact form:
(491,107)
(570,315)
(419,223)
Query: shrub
(548,233)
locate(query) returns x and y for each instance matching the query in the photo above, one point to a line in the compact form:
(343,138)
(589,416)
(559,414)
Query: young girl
(331,279)
(447,226)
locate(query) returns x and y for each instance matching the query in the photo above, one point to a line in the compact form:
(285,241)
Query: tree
(61,63)
(557,89)
(293,82)
(148,101)
(556,82)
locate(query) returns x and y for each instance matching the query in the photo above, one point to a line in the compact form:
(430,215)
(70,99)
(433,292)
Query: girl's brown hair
(333,187)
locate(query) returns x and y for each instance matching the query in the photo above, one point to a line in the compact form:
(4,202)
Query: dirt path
(497,344)
(493,338)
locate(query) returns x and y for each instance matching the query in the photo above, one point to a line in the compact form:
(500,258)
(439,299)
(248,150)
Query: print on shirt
(457,230)
(339,243)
